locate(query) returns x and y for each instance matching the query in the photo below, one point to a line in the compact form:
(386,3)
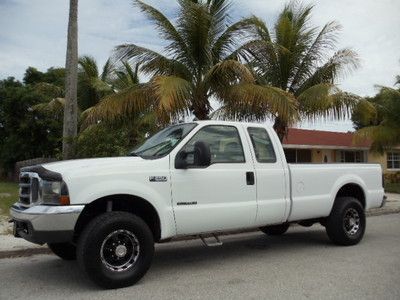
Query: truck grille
(28,188)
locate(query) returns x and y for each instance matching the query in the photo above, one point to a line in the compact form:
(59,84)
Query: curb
(37,251)
(24,252)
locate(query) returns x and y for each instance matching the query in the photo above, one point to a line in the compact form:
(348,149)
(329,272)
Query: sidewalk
(13,247)
(392,206)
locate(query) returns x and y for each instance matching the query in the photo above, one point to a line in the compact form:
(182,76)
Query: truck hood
(70,167)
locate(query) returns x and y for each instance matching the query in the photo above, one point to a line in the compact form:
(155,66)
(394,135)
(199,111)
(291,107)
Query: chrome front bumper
(45,224)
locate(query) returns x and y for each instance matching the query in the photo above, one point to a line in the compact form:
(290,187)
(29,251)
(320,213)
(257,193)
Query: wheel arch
(120,202)
(354,190)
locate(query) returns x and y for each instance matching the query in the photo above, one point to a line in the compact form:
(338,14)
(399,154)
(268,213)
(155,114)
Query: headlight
(53,193)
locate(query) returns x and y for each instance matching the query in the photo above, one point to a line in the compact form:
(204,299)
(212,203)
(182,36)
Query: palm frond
(323,43)
(172,95)
(382,137)
(219,12)
(114,107)
(194,24)
(233,37)
(326,100)
(152,63)
(54,107)
(342,61)
(167,30)
(256,102)
(365,113)
(108,69)
(88,66)
(225,74)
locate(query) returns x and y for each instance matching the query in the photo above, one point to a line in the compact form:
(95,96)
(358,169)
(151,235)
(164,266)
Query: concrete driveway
(300,264)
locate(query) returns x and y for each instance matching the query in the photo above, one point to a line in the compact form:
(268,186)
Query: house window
(298,155)
(351,156)
(393,160)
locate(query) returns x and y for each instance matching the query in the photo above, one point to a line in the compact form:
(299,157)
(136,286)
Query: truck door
(221,196)
(273,198)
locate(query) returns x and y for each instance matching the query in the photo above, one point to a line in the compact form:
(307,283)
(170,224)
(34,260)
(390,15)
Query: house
(315,146)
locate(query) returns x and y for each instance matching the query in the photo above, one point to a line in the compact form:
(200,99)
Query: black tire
(275,229)
(346,222)
(102,235)
(66,251)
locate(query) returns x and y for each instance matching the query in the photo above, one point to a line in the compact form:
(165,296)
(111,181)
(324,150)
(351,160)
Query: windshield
(163,142)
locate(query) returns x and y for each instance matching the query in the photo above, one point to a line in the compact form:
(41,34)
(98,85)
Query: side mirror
(180,160)
(201,157)
(202,154)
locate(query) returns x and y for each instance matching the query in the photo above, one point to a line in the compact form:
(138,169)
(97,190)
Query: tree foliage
(24,132)
(199,62)
(303,61)
(377,119)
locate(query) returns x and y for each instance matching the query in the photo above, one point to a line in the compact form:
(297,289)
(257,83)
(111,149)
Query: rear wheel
(275,229)
(346,223)
(116,249)
(66,251)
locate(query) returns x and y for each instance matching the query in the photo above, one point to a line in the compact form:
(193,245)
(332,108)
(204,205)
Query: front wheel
(346,223)
(116,249)
(275,229)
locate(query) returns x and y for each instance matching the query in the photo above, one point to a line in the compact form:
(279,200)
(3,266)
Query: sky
(33,33)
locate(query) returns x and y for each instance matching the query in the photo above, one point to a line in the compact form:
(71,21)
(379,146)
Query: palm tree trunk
(71,84)
(201,105)
(281,128)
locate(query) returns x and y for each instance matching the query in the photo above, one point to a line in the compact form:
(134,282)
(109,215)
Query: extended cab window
(262,145)
(224,141)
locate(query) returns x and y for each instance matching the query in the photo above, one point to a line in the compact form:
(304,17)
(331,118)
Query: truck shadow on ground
(184,256)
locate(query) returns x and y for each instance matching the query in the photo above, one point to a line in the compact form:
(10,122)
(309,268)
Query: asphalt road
(300,264)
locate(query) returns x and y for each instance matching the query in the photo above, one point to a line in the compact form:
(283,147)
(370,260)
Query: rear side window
(262,145)
(224,141)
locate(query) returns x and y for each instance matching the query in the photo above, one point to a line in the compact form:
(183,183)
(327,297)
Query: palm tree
(71,106)
(93,86)
(296,58)
(200,61)
(126,76)
(377,119)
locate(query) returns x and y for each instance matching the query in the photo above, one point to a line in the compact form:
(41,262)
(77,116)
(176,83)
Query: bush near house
(392,188)
(392,177)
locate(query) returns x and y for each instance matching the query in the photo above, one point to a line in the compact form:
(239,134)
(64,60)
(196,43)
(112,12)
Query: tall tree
(302,60)
(70,128)
(377,119)
(199,62)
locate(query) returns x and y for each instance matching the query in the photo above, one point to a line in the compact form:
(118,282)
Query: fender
(109,187)
(344,180)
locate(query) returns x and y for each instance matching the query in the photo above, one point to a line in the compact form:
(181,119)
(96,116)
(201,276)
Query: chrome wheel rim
(351,221)
(119,250)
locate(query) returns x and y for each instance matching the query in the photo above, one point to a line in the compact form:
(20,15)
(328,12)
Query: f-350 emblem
(158,178)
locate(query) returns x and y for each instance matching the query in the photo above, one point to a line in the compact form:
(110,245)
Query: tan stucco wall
(317,155)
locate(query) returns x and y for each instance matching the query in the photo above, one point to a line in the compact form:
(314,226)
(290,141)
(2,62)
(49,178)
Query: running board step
(208,244)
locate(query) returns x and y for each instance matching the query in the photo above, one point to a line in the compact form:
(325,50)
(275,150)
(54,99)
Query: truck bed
(313,187)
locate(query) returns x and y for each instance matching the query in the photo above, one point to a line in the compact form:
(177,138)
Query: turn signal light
(64,200)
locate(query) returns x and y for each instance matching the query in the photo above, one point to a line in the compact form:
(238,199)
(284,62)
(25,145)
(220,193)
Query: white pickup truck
(192,179)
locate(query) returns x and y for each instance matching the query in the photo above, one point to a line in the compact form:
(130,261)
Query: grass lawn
(8,195)
(392,188)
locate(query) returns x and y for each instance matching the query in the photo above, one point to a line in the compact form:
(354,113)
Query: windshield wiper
(133,154)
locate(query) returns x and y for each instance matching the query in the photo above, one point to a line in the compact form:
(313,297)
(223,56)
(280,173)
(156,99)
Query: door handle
(250,178)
